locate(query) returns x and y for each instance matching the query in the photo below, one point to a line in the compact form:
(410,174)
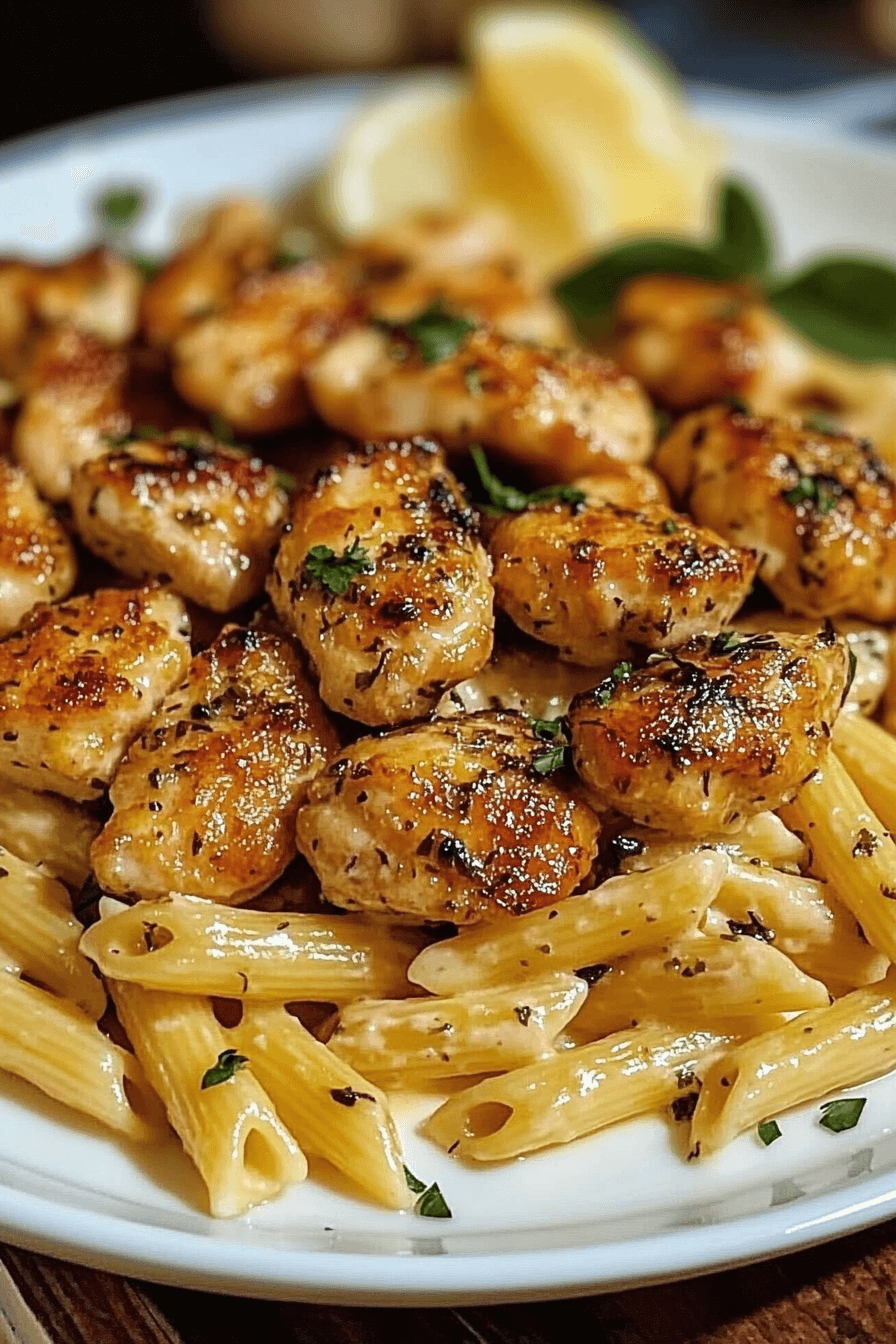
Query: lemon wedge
(564,124)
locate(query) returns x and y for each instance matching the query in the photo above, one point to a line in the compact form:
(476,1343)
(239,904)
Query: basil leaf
(546,728)
(590,293)
(768,1131)
(415,1185)
(119,208)
(847,304)
(842,1114)
(431,1204)
(744,245)
(227,1065)
(508,499)
(553,759)
(436,332)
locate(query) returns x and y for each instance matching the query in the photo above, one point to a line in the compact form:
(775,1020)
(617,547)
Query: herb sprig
(621,672)
(841,1114)
(337,572)
(811,490)
(845,303)
(508,499)
(436,333)
(431,1203)
(554,732)
(226,1066)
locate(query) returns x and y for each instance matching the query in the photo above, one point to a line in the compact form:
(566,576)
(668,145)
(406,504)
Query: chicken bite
(78,681)
(595,582)
(384,581)
(706,736)
(199,513)
(205,800)
(37,561)
(555,414)
(819,508)
(869,645)
(450,820)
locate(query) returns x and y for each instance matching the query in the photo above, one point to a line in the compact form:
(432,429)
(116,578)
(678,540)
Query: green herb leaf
(148,432)
(221,430)
(843,1114)
(822,422)
(337,572)
(843,303)
(605,691)
(552,760)
(662,423)
(768,1131)
(227,1065)
(743,245)
(285,480)
(508,499)
(148,267)
(724,642)
(415,1185)
(437,333)
(810,490)
(431,1204)
(670,527)
(590,293)
(120,208)
(547,728)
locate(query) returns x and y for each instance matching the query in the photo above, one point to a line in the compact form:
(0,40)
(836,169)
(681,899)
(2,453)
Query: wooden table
(842,1293)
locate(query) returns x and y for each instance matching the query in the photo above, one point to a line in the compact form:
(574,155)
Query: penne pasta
(849,848)
(242,1149)
(868,752)
(400,1043)
(763,837)
(796,916)
(848,1042)
(574,1093)
(191,946)
(41,933)
(698,979)
(48,831)
(624,913)
(332,1110)
(59,1049)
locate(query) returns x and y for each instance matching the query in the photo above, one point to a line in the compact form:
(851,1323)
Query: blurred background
(65,60)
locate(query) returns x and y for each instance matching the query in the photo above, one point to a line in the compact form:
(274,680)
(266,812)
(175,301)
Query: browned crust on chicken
(820,508)
(421,619)
(595,582)
(79,680)
(701,738)
(450,820)
(37,561)
(206,799)
(188,509)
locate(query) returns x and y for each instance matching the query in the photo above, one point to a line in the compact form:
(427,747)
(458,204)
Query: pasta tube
(190,946)
(699,979)
(868,753)
(243,1151)
(620,915)
(332,1110)
(59,1049)
(763,837)
(39,930)
(823,1051)
(400,1043)
(794,914)
(851,849)
(575,1092)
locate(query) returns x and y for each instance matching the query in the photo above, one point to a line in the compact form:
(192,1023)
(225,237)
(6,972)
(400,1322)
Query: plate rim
(332,1277)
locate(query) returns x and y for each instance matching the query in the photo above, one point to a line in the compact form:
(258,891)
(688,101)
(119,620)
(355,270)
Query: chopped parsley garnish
(119,208)
(851,666)
(337,572)
(840,1115)
(431,1203)
(809,490)
(508,499)
(227,1065)
(220,429)
(821,422)
(437,333)
(553,731)
(605,691)
(148,267)
(670,526)
(768,1131)
(547,728)
(286,480)
(724,642)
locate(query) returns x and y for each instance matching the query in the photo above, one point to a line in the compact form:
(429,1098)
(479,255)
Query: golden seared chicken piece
(78,681)
(556,414)
(37,561)
(594,582)
(625,485)
(48,831)
(205,800)
(467,261)
(868,643)
(202,277)
(98,292)
(819,508)
(384,581)
(247,362)
(73,408)
(450,820)
(706,736)
(205,515)
(521,675)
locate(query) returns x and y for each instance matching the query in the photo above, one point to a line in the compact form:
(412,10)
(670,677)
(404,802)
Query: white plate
(618,1209)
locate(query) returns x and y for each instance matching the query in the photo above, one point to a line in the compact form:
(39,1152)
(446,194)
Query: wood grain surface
(842,1293)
